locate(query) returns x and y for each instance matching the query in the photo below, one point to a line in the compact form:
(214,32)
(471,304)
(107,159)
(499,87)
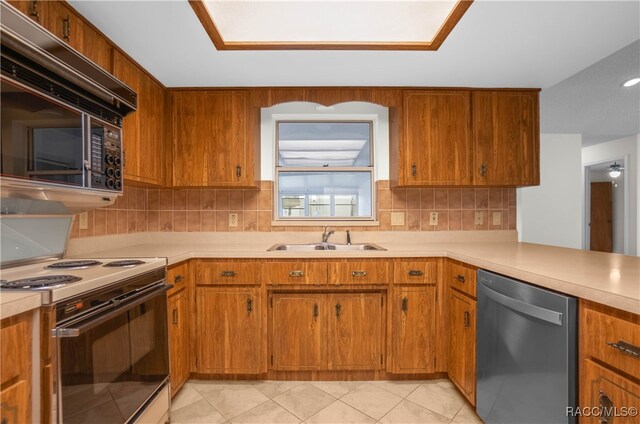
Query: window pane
(323,144)
(324,194)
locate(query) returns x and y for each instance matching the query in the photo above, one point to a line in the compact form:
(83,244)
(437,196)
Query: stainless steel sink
(325,246)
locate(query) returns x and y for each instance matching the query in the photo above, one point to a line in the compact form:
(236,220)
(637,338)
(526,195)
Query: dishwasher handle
(544,314)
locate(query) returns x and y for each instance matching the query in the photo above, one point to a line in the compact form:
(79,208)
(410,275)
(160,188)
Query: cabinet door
(506,138)
(16,407)
(211,139)
(614,394)
(413,336)
(178,339)
(297,325)
(149,155)
(437,134)
(96,47)
(229,331)
(355,331)
(462,343)
(31,8)
(62,22)
(127,72)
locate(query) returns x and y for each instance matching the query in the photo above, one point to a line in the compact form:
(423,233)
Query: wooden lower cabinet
(614,394)
(231,335)
(16,368)
(462,343)
(178,316)
(297,331)
(327,331)
(413,329)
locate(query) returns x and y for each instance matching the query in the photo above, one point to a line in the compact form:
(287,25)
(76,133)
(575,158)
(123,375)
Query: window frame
(329,220)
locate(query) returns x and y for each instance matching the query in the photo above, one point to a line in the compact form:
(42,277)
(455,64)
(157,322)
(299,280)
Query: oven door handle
(113,310)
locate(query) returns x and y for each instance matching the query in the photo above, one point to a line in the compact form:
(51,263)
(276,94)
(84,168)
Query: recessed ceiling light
(631,82)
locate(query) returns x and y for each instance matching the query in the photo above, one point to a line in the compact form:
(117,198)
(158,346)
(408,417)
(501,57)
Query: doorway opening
(606,207)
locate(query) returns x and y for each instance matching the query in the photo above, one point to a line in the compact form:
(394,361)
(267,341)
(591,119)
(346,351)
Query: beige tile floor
(321,402)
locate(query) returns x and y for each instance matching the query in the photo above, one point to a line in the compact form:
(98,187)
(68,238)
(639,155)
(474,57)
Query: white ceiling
(593,103)
(496,44)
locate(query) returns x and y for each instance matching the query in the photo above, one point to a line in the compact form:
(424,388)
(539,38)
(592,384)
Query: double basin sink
(325,246)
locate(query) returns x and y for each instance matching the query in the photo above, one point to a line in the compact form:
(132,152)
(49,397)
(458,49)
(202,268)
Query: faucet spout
(326,234)
(348,237)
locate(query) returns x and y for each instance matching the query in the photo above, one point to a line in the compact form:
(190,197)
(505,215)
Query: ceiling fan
(615,170)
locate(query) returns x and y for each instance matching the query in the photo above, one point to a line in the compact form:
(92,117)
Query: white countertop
(606,278)
(18,302)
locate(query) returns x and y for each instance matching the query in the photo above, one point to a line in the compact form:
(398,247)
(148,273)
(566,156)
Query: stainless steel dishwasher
(526,352)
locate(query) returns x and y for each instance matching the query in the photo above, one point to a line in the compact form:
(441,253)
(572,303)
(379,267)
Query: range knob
(118,184)
(117,173)
(110,159)
(110,183)
(110,172)
(117,160)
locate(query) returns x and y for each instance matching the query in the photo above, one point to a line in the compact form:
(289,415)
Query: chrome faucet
(326,234)
(348,237)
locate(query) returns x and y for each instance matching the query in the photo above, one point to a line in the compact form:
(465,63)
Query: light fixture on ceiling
(631,82)
(615,170)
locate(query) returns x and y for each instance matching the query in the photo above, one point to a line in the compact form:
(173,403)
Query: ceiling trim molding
(205,18)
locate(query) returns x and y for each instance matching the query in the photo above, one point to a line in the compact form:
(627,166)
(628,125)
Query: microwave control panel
(106,157)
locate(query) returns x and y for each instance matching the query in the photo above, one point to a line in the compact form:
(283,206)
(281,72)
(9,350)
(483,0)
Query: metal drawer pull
(606,408)
(359,273)
(315,311)
(249,305)
(467,319)
(626,348)
(338,308)
(415,273)
(175,316)
(296,273)
(405,305)
(178,279)
(66,28)
(228,274)
(460,278)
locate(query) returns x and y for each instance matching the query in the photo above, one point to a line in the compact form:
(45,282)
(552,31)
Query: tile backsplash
(141,210)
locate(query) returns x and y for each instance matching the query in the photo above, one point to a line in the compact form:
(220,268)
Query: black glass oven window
(110,370)
(40,139)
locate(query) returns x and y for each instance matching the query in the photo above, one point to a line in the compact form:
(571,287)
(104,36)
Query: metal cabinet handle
(338,310)
(606,408)
(405,304)
(359,273)
(238,171)
(414,170)
(249,305)
(415,273)
(228,274)
(483,169)
(467,319)
(66,28)
(33,10)
(460,278)
(174,314)
(178,279)
(626,348)
(315,311)
(296,273)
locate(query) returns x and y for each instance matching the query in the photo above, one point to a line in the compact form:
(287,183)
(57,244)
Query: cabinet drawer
(415,272)
(374,272)
(178,275)
(295,272)
(462,277)
(228,273)
(612,337)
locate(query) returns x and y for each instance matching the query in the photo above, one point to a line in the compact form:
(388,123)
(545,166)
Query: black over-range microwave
(61,114)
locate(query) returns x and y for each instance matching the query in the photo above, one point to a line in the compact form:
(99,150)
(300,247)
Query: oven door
(112,363)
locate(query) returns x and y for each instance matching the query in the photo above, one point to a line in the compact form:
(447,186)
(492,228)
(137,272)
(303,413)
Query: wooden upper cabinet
(216,140)
(437,146)
(506,138)
(143,130)
(96,48)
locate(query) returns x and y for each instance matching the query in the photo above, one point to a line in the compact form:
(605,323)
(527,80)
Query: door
(355,331)
(506,138)
(229,330)
(127,72)
(614,394)
(297,326)
(601,228)
(437,138)
(413,336)
(178,340)
(210,138)
(62,22)
(149,155)
(462,336)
